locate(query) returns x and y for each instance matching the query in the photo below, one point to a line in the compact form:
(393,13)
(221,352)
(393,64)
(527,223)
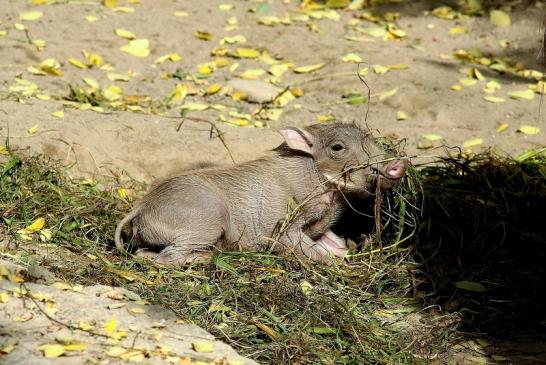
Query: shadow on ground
(480,247)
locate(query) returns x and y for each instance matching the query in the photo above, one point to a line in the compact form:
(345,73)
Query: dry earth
(149,145)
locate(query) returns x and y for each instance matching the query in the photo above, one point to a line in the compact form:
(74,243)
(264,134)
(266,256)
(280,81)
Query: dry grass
(479,221)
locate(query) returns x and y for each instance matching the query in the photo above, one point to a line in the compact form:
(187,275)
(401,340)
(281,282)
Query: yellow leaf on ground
(400,115)
(84,326)
(351,58)
(194,107)
(380,69)
(76,63)
(502,127)
(173,57)
(94,59)
(180,14)
(51,66)
(205,36)
(522,95)
(203,346)
(179,93)
(433,137)
(529,129)
(4,297)
(246,53)
(137,310)
(77,346)
(239,38)
(494,99)
(468,81)
(252,74)
(58,114)
(499,18)
(213,89)
(31,15)
(19,26)
(110,3)
(123,33)
(472,142)
(117,77)
(137,48)
(456,87)
(7,349)
(116,351)
(456,30)
(387,94)
(278,70)
(91,18)
(91,82)
(309,68)
(40,44)
(37,225)
(325,118)
(226,7)
(52,350)
(112,93)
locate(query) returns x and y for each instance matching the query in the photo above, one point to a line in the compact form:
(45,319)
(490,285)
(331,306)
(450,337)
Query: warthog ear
(298,139)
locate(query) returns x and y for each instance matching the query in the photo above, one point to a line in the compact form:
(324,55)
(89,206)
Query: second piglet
(244,207)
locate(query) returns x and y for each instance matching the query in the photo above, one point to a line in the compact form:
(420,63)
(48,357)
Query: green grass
(382,307)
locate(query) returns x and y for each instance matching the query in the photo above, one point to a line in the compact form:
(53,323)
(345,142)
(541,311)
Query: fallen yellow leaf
(51,66)
(494,99)
(400,115)
(77,63)
(203,346)
(351,58)
(36,226)
(173,57)
(456,30)
(58,114)
(123,33)
(213,88)
(31,15)
(387,94)
(77,346)
(467,81)
(472,142)
(502,127)
(522,95)
(432,137)
(529,129)
(205,36)
(246,53)
(52,350)
(137,48)
(309,68)
(91,82)
(137,310)
(499,18)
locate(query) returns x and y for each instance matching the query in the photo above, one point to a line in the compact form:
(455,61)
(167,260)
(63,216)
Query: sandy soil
(150,145)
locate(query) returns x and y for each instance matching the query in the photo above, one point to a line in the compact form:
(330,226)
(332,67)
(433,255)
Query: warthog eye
(337,147)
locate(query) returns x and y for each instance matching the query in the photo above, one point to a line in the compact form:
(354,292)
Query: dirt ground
(148,145)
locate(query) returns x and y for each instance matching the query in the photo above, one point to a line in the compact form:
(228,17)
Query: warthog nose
(395,169)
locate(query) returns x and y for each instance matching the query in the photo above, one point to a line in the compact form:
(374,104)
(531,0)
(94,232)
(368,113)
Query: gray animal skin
(184,217)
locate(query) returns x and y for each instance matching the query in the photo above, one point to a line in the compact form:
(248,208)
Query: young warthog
(287,200)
